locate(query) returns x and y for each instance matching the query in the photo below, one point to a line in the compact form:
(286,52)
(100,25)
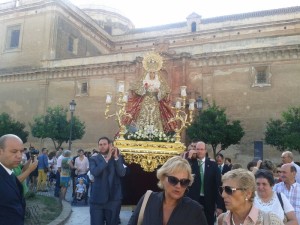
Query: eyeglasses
(174,181)
(228,190)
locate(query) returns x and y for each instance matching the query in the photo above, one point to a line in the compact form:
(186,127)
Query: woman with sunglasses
(268,200)
(238,193)
(170,207)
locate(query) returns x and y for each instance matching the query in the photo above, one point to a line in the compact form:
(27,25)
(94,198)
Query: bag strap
(141,214)
(280,199)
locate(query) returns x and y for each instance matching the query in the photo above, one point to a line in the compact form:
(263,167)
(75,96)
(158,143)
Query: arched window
(194,26)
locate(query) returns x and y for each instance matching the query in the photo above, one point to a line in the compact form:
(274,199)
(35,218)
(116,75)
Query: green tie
(220,168)
(201,178)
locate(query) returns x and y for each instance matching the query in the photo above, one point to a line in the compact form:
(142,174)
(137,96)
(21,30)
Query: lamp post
(199,103)
(72,110)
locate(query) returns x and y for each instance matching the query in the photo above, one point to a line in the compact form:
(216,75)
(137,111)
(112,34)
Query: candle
(108,98)
(192,104)
(178,104)
(121,86)
(183,91)
(125,97)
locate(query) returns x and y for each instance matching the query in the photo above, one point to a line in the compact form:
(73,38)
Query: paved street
(81,215)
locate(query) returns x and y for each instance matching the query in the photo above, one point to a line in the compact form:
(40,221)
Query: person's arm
(135,215)
(288,211)
(218,184)
(25,172)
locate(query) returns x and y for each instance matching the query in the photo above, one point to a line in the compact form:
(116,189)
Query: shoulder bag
(141,214)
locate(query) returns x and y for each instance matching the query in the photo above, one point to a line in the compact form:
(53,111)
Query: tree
(285,133)
(9,126)
(54,125)
(212,127)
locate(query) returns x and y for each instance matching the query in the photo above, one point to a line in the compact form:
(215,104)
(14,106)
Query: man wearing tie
(12,203)
(207,181)
(106,195)
(224,168)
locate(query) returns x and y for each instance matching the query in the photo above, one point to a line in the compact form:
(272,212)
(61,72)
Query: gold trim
(149,155)
(152,62)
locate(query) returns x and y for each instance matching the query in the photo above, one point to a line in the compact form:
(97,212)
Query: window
(82,88)
(194,26)
(261,76)
(73,45)
(13,37)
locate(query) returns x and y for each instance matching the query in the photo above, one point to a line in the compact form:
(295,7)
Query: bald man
(289,187)
(12,202)
(288,157)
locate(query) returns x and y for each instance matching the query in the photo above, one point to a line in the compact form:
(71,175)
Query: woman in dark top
(170,207)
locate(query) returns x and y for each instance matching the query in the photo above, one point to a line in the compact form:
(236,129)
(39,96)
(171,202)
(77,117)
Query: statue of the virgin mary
(149,102)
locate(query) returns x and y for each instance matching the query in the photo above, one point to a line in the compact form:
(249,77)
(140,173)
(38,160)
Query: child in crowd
(80,188)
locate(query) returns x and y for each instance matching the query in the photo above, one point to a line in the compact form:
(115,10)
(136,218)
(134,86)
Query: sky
(149,13)
(159,12)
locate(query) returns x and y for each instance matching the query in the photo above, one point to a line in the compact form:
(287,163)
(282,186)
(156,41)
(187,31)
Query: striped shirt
(293,195)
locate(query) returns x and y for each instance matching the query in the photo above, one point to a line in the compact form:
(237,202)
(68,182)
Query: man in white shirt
(57,183)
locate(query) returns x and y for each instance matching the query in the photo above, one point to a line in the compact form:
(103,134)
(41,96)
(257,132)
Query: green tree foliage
(212,127)
(9,126)
(285,133)
(54,125)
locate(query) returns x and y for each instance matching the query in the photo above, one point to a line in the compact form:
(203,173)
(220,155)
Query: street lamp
(199,103)
(72,110)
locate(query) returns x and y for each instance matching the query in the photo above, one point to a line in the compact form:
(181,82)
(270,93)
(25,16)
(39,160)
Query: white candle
(108,98)
(183,91)
(125,97)
(178,104)
(121,86)
(192,104)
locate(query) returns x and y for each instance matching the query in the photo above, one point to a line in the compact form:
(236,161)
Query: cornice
(261,55)
(255,55)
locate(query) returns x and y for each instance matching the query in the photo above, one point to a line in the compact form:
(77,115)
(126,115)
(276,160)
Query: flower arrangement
(150,134)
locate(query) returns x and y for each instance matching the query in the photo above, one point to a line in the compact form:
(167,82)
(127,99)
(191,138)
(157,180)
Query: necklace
(232,222)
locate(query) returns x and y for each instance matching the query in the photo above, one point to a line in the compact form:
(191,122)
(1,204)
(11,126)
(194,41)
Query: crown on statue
(152,62)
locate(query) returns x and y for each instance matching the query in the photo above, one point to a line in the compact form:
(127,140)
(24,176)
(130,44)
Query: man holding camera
(106,195)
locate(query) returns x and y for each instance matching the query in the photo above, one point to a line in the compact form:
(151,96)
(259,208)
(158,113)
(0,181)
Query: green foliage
(212,127)
(9,126)
(285,133)
(54,125)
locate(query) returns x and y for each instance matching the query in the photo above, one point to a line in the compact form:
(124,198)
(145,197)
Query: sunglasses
(228,190)
(174,181)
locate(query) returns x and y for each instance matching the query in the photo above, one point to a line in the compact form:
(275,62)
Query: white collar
(9,171)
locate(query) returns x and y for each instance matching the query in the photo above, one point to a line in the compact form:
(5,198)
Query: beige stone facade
(248,63)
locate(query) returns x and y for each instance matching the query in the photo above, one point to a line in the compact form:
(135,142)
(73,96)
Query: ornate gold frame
(148,154)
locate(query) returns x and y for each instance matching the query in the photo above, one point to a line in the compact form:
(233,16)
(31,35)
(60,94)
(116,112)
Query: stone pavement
(79,214)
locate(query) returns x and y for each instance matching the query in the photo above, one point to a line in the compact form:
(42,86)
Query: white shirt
(298,172)
(60,158)
(274,205)
(9,171)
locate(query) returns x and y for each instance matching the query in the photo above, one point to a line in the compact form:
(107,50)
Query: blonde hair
(244,178)
(173,165)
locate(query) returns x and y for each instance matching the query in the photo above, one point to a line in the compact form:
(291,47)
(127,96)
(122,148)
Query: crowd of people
(196,189)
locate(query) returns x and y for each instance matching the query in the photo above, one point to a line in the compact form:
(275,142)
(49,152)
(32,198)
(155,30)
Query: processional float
(150,126)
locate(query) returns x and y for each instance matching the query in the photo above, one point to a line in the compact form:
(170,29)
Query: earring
(246,199)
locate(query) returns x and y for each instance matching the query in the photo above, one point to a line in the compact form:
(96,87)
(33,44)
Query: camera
(33,153)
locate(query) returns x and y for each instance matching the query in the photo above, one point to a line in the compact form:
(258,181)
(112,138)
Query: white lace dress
(274,205)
